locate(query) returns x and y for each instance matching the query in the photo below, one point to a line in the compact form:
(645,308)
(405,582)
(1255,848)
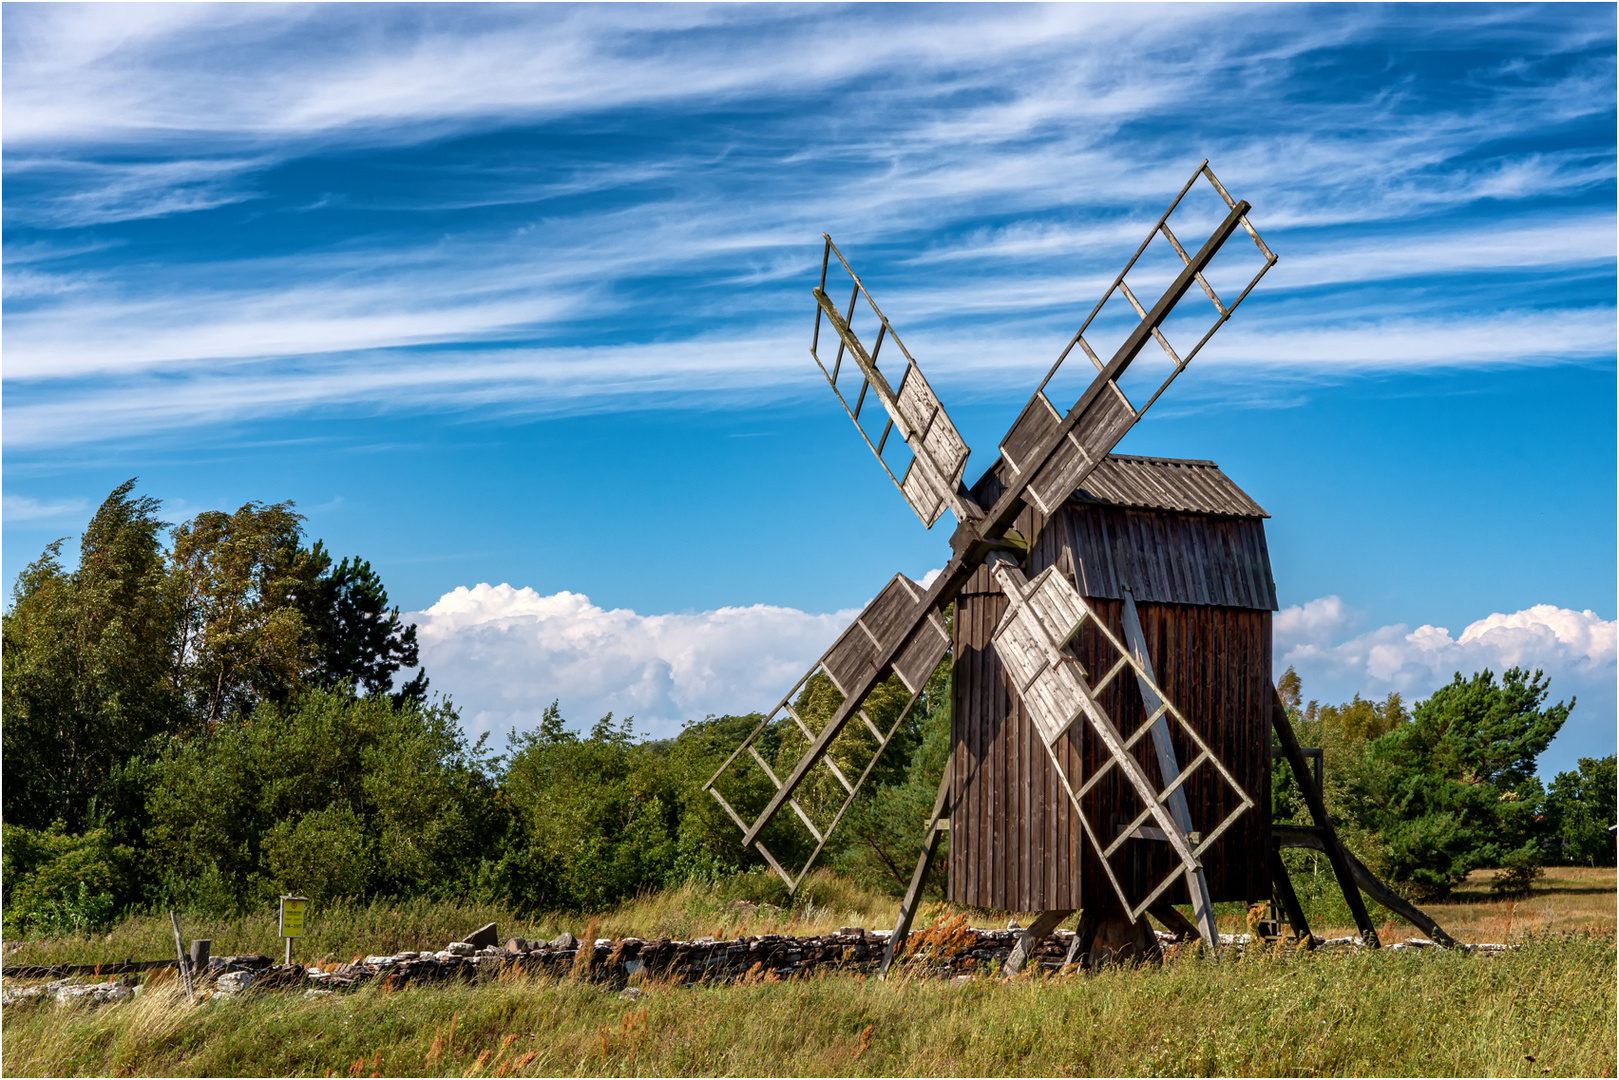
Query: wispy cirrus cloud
(421,187)
(23,508)
(97,193)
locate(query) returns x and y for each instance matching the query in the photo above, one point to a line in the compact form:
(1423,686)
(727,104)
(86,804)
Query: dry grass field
(1545,1009)
(1567,898)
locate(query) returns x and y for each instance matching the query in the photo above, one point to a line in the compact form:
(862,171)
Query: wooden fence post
(180,954)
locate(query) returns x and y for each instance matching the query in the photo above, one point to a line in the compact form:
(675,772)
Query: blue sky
(517,296)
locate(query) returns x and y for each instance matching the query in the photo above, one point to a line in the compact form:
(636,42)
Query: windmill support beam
(1287,837)
(1108,935)
(1290,899)
(937,825)
(1044,923)
(1174,921)
(1197,882)
(1330,844)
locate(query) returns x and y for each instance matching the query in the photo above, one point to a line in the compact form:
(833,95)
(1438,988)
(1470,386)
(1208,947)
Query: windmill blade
(846,666)
(1058,453)
(1032,640)
(1050,451)
(932,479)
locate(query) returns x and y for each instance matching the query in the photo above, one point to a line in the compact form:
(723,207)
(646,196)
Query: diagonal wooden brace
(1331,846)
(1197,882)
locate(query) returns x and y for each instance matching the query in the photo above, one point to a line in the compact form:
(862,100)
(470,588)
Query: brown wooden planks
(1015,843)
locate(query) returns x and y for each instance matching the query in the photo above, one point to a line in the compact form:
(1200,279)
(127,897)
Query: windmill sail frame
(843,664)
(932,480)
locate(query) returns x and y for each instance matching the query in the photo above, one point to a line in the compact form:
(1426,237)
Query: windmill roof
(1177,484)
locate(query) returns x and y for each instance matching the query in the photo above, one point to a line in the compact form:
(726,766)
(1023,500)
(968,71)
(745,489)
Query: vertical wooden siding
(1014,841)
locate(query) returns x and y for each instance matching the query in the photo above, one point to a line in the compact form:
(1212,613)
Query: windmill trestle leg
(1043,924)
(1174,921)
(1330,845)
(937,825)
(1294,836)
(1289,898)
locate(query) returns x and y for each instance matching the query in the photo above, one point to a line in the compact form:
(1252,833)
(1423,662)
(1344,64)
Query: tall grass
(1568,898)
(1547,1009)
(748,903)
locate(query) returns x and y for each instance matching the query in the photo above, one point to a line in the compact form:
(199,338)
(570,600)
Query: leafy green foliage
(106,662)
(1581,812)
(87,665)
(1453,790)
(243,583)
(1449,788)
(357,638)
(333,795)
(596,819)
(883,831)
(215,724)
(58,884)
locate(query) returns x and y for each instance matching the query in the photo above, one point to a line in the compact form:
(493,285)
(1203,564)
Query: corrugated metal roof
(1186,486)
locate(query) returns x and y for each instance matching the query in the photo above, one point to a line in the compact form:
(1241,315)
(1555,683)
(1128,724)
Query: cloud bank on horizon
(1335,658)
(504,654)
(520,209)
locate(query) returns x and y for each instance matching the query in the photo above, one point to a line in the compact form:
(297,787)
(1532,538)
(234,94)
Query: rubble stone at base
(232,982)
(68,992)
(963,956)
(484,937)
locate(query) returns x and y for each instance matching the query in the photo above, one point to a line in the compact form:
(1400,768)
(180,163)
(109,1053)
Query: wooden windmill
(1112,694)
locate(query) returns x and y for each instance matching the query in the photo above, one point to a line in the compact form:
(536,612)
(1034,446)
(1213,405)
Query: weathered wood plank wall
(1014,840)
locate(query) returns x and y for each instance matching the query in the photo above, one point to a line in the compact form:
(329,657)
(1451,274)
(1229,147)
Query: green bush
(331,795)
(57,884)
(1519,871)
(322,855)
(1580,813)
(595,819)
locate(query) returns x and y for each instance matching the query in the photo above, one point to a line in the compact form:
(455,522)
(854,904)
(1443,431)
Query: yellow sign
(292,916)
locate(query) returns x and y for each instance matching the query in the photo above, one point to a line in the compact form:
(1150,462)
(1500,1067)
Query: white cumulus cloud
(503,654)
(1576,649)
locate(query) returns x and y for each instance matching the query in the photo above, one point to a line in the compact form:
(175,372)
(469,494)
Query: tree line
(1428,795)
(205,716)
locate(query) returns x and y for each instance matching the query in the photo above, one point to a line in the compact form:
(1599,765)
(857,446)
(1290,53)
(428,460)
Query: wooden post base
(1109,937)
